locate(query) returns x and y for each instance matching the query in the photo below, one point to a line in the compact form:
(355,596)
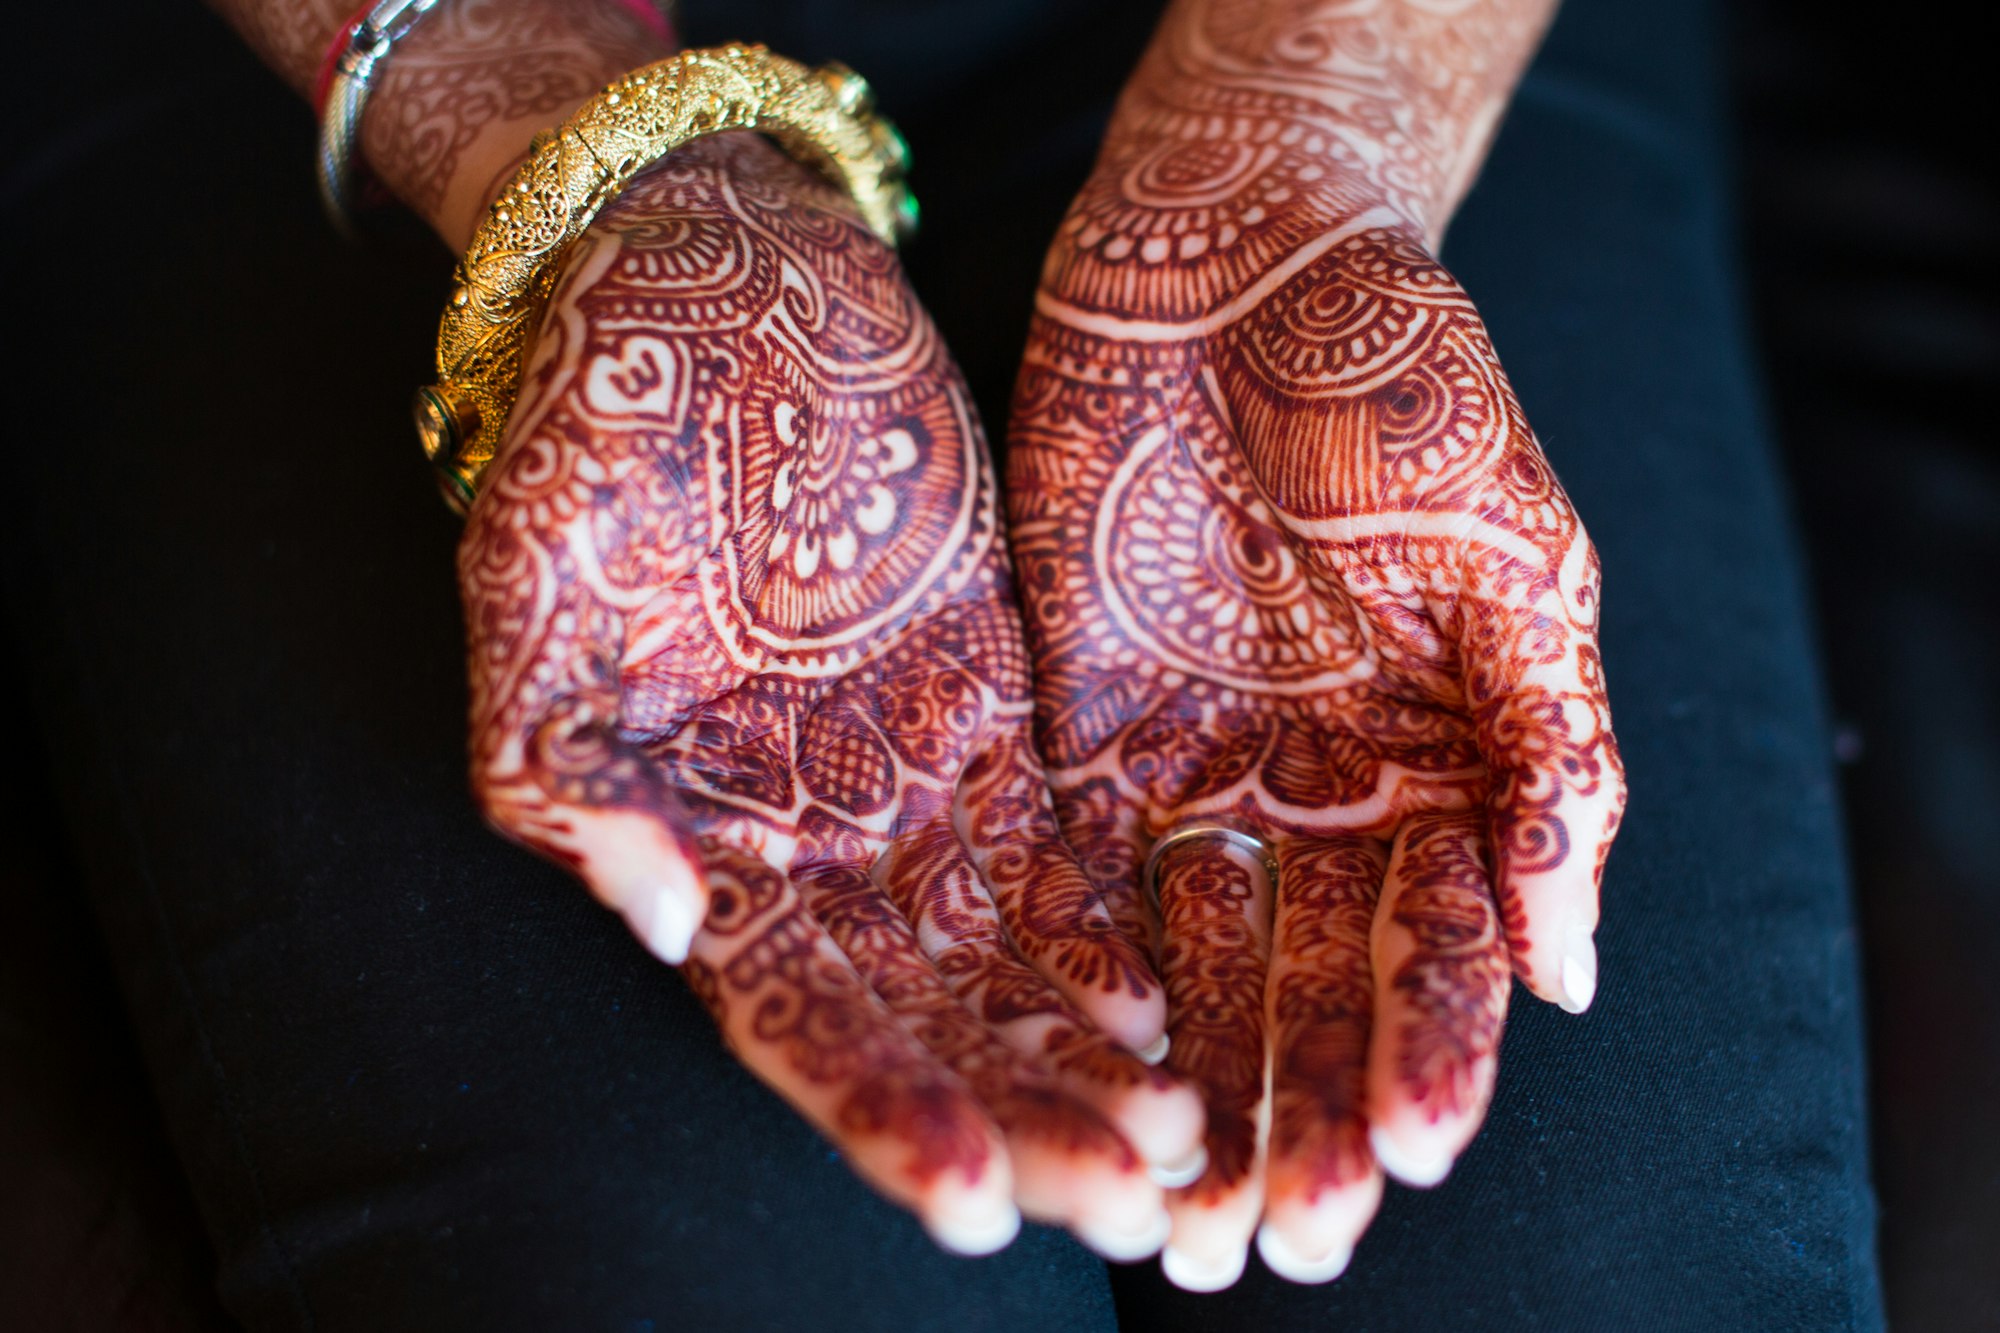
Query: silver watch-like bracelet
(347,96)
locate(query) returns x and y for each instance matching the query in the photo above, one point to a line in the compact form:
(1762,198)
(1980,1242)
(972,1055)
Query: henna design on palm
(744,650)
(1290,555)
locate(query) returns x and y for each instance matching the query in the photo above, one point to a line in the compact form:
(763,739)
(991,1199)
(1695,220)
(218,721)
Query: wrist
(1399,101)
(464,92)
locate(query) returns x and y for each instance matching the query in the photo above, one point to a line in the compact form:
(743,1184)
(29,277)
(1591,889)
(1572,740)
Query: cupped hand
(1293,563)
(745,656)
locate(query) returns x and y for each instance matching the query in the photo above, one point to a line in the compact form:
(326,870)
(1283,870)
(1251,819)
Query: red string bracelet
(335,49)
(644,12)
(369,189)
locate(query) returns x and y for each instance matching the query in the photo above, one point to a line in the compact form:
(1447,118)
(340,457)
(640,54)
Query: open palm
(745,656)
(1293,563)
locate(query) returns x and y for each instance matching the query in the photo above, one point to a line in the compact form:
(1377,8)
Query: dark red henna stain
(738,569)
(1322,1011)
(805,1003)
(1214,963)
(1455,983)
(1288,550)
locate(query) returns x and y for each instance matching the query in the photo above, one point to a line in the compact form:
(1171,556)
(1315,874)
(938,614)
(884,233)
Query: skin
(744,650)
(1292,559)
(451,114)
(745,653)
(745,656)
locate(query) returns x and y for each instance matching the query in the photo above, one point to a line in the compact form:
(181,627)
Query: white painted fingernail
(1288,1263)
(1154,1051)
(1192,1274)
(1410,1168)
(1579,972)
(980,1235)
(667,926)
(1184,1172)
(1123,1246)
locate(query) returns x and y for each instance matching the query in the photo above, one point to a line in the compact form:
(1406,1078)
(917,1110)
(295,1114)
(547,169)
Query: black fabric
(418,1080)
(1873,215)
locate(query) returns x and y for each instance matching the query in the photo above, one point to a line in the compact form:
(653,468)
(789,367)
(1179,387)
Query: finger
(795,1012)
(1215,918)
(1441,982)
(1105,828)
(1056,918)
(930,876)
(550,767)
(1323,1183)
(1070,1166)
(1535,687)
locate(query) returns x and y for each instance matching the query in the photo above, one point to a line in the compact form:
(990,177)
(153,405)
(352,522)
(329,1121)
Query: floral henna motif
(741,616)
(1322,1009)
(1442,969)
(785,989)
(1291,555)
(1215,969)
(1216,913)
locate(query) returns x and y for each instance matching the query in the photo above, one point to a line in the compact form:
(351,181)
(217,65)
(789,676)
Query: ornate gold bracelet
(823,117)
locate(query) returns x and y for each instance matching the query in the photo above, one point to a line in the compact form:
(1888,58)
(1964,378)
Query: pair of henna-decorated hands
(747,653)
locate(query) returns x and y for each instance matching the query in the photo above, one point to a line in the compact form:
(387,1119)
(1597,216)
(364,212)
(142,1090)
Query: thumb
(567,785)
(1535,688)
(553,770)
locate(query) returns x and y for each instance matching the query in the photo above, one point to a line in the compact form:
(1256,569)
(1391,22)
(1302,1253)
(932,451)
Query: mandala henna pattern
(1291,555)
(737,575)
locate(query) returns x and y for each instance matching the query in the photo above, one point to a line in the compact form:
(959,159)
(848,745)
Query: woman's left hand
(1294,566)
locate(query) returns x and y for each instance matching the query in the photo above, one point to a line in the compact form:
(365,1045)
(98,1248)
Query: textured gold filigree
(822,117)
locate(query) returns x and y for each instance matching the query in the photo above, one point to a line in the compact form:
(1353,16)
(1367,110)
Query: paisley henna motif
(1216,913)
(1444,969)
(1291,555)
(1322,1007)
(740,615)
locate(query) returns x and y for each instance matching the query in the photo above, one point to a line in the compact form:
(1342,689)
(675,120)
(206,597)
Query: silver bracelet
(347,97)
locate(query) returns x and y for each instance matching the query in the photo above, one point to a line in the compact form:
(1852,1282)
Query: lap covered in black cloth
(419,1080)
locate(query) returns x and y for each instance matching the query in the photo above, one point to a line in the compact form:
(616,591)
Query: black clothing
(419,1080)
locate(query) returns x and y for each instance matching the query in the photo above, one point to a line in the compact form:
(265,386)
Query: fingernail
(976,1236)
(1408,1167)
(1154,1051)
(1192,1274)
(1579,971)
(668,926)
(1126,1246)
(1183,1172)
(1288,1263)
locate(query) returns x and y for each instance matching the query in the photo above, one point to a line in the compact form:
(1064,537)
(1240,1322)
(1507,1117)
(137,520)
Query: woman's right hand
(745,656)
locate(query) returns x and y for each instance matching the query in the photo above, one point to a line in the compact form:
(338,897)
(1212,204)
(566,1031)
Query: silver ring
(1149,878)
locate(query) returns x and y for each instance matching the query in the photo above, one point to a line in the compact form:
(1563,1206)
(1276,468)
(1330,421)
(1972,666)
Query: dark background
(1871,225)
(1869,215)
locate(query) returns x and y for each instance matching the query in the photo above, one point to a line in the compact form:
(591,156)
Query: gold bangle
(823,117)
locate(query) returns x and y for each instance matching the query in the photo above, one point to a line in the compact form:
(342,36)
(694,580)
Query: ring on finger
(1241,839)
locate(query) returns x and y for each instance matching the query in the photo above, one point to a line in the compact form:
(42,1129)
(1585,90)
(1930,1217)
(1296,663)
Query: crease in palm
(745,654)
(748,654)
(1291,559)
